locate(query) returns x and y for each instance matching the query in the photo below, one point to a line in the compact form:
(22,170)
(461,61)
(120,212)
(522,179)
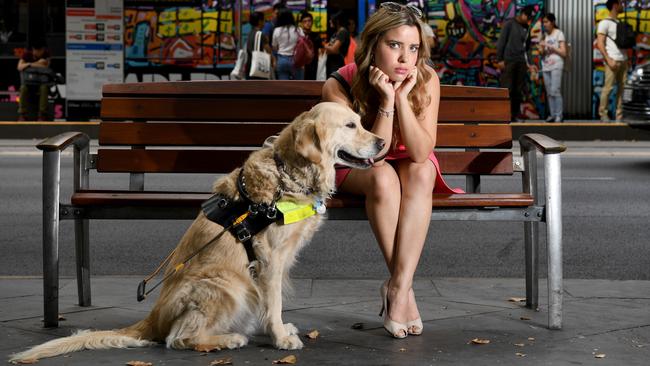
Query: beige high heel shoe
(415,327)
(395,329)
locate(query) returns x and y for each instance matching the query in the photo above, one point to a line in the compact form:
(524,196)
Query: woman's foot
(396,328)
(414,327)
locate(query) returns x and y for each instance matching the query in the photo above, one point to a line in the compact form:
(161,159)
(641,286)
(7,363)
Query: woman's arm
(333,47)
(418,134)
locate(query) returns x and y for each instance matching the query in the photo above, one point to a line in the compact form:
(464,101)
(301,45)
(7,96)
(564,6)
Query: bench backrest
(191,127)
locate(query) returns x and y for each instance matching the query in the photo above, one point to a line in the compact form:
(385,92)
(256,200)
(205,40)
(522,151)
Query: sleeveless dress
(344,76)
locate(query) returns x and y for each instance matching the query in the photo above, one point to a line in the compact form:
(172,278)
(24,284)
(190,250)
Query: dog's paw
(289,342)
(291,329)
(235,341)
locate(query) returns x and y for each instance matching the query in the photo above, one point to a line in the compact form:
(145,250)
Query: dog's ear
(306,141)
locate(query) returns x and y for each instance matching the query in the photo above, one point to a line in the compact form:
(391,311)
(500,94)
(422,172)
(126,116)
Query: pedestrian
(339,43)
(553,50)
(256,20)
(306,23)
(269,25)
(512,59)
(397,95)
(35,81)
(614,59)
(285,37)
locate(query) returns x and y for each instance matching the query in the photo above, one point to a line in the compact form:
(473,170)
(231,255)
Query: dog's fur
(214,302)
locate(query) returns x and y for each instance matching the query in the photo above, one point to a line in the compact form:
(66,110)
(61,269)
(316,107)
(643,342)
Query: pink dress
(347,73)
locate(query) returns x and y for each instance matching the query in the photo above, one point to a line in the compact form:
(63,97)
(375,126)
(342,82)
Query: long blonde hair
(365,97)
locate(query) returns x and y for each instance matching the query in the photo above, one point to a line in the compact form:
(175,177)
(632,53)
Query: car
(636,97)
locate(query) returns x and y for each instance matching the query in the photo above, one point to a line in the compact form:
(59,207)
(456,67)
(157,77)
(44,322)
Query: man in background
(35,73)
(512,59)
(614,59)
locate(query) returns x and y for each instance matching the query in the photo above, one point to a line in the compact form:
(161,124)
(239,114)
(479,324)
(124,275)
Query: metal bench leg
(83,261)
(51,183)
(531,248)
(554,238)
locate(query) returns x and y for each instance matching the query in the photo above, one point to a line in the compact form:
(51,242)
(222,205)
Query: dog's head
(331,133)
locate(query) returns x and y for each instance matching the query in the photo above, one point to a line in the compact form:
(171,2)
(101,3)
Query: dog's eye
(351,125)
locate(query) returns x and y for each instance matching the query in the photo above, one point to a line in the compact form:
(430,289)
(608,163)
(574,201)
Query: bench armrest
(62,141)
(544,144)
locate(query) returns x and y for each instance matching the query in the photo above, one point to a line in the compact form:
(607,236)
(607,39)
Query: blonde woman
(397,94)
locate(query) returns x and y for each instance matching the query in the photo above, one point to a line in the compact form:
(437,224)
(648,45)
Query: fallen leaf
(524,318)
(357,326)
(61,317)
(313,334)
(517,299)
(480,341)
(519,344)
(402,349)
(222,361)
(26,362)
(291,359)
(139,363)
(599,355)
(205,348)
(531,338)
(520,354)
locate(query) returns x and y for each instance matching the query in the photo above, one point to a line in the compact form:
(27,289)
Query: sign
(94,47)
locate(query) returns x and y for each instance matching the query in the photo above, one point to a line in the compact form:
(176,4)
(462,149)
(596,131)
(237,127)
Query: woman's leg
(417,181)
(381,187)
(556,92)
(548,85)
(284,67)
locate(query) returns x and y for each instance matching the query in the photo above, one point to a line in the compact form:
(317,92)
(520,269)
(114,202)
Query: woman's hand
(381,82)
(403,88)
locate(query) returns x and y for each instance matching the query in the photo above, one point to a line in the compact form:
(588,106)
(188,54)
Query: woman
(256,21)
(306,23)
(338,45)
(553,50)
(398,95)
(285,36)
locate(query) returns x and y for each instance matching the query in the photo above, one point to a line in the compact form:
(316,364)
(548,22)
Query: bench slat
(194,199)
(240,109)
(303,89)
(253,134)
(273,109)
(223,161)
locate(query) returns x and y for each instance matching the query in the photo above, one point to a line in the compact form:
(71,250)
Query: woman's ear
(307,143)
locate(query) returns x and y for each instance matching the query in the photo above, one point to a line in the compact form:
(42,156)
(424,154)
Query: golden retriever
(214,302)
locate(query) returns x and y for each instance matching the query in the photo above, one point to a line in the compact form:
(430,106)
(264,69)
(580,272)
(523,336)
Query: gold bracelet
(384,113)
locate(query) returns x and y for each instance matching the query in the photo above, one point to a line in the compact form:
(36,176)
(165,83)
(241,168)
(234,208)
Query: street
(606,209)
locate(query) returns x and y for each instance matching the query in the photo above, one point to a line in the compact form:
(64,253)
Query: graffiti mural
(637,13)
(467,32)
(197,36)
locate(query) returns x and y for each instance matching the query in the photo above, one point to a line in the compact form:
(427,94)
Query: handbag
(239,71)
(321,70)
(260,60)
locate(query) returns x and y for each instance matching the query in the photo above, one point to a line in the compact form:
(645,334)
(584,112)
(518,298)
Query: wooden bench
(211,127)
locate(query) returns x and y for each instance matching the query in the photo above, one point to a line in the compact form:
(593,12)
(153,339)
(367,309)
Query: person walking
(397,95)
(614,59)
(512,59)
(553,49)
(306,23)
(256,20)
(285,37)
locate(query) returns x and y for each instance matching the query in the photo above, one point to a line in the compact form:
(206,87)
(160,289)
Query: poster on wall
(94,47)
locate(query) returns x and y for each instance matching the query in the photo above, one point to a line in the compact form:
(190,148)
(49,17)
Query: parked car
(636,97)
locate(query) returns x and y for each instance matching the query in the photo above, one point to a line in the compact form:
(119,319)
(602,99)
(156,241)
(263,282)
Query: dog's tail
(84,339)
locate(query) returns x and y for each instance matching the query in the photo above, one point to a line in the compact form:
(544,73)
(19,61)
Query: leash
(142,293)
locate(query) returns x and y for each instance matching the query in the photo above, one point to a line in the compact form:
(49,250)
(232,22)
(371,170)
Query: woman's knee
(419,177)
(382,182)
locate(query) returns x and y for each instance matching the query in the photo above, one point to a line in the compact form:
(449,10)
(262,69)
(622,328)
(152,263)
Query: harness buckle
(243,234)
(271,213)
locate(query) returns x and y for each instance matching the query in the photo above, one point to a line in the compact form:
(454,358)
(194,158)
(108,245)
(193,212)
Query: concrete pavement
(601,317)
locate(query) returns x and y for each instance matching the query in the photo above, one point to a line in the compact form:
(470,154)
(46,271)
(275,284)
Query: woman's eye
(351,125)
(415,48)
(393,45)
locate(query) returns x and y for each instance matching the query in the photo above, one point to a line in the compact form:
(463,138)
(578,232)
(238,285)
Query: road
(606,225)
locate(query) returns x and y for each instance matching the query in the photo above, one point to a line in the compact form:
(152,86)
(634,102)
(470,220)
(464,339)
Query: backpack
(303,53)
(625,35)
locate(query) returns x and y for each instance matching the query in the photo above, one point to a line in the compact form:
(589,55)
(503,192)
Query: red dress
(347,73)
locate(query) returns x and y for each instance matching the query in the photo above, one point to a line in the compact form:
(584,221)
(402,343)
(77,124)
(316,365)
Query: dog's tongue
(372,161)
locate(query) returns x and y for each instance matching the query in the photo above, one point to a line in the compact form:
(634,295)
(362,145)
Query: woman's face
(306,24)
(397,52)
(548,25)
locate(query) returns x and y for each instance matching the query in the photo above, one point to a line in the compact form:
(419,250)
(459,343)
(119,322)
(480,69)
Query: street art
(637,13)
(467,33)
(193,37)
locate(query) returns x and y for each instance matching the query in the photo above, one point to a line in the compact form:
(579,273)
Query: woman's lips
(401,71)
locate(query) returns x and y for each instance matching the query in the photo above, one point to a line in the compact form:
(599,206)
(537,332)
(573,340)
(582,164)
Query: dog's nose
(380,144)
